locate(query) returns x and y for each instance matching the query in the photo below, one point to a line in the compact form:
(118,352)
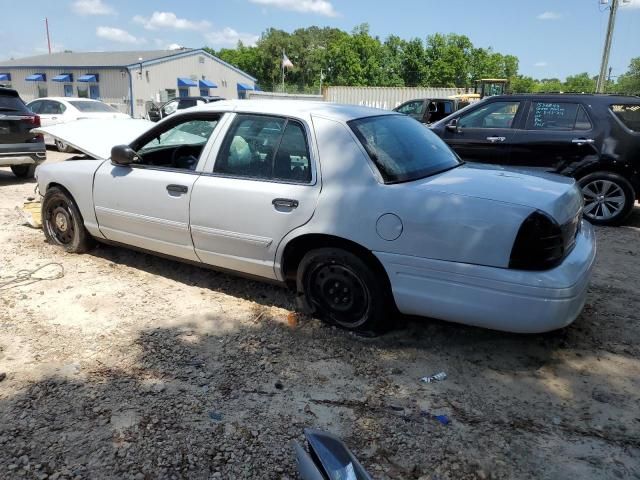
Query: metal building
(126,80)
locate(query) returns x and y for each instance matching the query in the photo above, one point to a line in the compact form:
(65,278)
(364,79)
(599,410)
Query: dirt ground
(132,366)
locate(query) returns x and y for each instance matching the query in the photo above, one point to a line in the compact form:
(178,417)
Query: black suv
(19,148)
(592,138)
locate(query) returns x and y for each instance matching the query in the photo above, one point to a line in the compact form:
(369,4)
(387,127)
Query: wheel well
(625,172)
(298,247)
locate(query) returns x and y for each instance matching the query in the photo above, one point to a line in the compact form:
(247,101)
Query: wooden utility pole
(613,9)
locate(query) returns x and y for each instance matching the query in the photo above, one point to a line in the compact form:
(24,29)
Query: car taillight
(33,120)
(539,244)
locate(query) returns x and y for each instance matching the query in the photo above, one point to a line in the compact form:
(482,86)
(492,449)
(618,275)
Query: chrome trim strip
(213,232)
(178,226)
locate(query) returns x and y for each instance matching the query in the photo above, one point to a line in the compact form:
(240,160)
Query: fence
(281,96)
(386,98)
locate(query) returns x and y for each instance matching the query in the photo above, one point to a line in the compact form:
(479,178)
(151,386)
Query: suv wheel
(63,147)
(62,222)
(343,290)
(23,171)
(608,198)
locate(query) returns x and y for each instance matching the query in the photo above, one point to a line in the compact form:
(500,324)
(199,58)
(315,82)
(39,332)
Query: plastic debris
(292,319)
(438,377)
(443,419)
(215,416)
(30,213)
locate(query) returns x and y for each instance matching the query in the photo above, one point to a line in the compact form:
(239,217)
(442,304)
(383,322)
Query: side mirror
(123,155)
(452,126)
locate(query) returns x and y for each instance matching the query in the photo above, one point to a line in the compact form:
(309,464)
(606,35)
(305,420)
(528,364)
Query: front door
(555,135)
(147,204)
(485,133)
(262,186)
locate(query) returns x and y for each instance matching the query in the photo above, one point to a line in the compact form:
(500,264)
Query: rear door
(485,134)
(262,186)
(555,135)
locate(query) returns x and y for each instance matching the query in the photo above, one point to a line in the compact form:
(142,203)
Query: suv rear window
(402,148)
(628,114)
(11,103)
(547,115)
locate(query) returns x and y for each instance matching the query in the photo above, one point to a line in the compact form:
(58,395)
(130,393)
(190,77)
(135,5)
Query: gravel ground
(132,366)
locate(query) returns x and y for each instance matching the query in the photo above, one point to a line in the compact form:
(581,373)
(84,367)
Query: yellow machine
(488,87)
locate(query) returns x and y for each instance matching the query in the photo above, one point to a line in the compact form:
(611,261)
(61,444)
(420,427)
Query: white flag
(286,63)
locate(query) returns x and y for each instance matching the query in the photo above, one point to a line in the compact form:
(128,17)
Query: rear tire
(608,198)
(63,147)
(341,289)
(23,171)
(62,222)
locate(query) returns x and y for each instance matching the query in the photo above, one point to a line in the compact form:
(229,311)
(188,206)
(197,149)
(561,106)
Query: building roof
(109,59)
(93,59)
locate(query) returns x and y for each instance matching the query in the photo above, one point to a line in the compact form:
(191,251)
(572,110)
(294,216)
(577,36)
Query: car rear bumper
(497,298)
(22,154)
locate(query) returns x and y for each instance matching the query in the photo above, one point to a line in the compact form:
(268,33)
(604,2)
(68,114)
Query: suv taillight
(33,120)
(539,244)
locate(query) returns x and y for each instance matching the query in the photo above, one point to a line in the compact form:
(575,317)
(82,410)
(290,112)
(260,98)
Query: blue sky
(552,38)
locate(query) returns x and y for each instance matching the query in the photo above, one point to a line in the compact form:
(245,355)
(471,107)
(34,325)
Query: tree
(580,83)
(629,83)
(522,84)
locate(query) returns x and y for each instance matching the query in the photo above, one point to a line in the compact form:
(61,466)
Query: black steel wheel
(343,290)
(62,222)
(608,198)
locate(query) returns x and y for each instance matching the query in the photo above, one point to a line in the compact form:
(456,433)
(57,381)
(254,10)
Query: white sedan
(361,211)
(54,110)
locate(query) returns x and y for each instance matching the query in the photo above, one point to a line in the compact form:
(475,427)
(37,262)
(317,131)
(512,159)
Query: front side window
(403,149)
(557,116)
(178,145)
(262,147)
(628,114)
(491,115)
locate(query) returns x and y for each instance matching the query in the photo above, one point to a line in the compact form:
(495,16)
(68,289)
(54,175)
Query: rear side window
(262,147)
(557,116)
(628,114)
(10,103)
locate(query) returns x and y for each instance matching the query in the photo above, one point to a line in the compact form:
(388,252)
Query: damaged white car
(362,211)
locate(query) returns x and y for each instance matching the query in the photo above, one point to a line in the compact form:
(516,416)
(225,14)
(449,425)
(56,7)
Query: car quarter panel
(76,176)
(435,224)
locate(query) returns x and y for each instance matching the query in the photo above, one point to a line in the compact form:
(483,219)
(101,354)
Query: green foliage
(358,59)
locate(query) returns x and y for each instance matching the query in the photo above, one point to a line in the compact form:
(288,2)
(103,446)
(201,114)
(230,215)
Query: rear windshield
(93,107)
(628,114)
(11,103)
(402,148)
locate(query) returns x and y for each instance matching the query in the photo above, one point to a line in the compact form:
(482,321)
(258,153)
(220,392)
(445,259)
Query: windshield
(402,148)
(93,107)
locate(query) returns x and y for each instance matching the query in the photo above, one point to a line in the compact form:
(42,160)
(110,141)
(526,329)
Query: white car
(361,211)
(54,110)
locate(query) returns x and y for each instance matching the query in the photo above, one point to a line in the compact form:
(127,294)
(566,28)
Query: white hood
(96,138)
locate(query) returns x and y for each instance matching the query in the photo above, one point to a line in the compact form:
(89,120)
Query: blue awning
(186,82)
(5,77)
(88,78)
(65,77)
(37,77)
(244,86)
(207,84)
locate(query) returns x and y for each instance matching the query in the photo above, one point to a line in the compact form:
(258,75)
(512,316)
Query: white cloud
(117,35)
(630,4)
(174,46)
(160,20)
(229,36)
(549,16)
(91,7)
(540,64)
(319,7)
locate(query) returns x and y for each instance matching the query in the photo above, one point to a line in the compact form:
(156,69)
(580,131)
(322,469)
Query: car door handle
(496,139)
(582,141)
(54,118)
(177,188)
(284,203)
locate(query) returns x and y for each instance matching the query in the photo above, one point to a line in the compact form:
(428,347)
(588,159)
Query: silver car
(361,211)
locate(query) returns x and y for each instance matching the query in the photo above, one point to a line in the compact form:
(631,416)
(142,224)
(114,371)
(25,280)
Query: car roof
(8,91)
(66,99)
(299,108)
(592,97)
